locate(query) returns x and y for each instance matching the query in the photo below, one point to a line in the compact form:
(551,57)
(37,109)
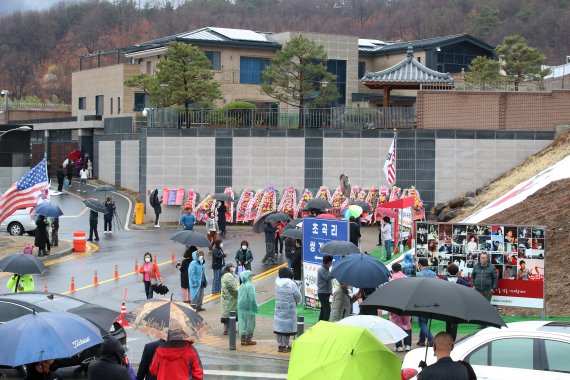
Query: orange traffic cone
(45,288)
(121,320)
(72,288)
(95,279)
(172,256)
(136,266)
(116,272)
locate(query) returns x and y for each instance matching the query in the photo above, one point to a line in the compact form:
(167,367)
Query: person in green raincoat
(247,308)
(26,283)
(229,294)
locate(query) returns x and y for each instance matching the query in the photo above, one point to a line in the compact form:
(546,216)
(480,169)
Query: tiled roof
(407,71)
(427,43)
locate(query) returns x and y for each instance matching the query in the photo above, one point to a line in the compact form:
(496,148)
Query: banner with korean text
(516,252)
(317,232)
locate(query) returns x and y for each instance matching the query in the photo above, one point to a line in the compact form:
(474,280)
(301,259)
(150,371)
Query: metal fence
(341,118)
(21,106)
(545,85)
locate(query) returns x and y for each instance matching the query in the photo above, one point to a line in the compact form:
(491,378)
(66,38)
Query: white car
(533,350)
(19,222)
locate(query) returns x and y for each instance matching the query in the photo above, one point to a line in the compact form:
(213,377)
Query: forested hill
(39,50)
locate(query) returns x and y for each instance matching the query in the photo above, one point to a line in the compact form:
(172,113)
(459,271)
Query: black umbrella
(98,315)
(94,205)
(294,223)
(22,264)
(364,205)
(269,217)
(339,248)
(434,298)
(105,188)
(222,197)
(318,204)
(189,238)
(294,233)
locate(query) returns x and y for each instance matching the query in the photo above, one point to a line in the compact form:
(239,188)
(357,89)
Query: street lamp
(22,128)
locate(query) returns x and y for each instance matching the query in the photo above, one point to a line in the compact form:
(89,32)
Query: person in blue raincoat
(197,278)
(409,266)
(247,308)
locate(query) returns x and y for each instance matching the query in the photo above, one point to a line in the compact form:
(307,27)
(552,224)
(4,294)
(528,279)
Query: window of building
(149,67)
(215,58)
(82,103)
(361,69)
(338,68)
(251,69)
(118,105)
(99,105)
(140,101)
(111,105)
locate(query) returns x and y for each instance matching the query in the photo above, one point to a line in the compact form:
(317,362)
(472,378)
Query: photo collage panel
(517,252)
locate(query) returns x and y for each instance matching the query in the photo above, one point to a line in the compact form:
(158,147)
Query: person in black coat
(108,216)
(110,363)
(149,350)
(69,171)
(222,218)
(354,231)
(41,371)
(297,260)
(41,239)
(183,267)
(60,175)
(445,368)
(155,202)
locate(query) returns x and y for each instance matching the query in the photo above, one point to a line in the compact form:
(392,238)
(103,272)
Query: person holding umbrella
(222,217)
(42,371)
(60,175)
(41,239)
(69,171)
(445,367)
(425,332)
(354,231)
(287,296)
(218,262)
(197,279)
(297,260)
(269,229)
(177,360)
(342,303)
(24,284)
(324,286)
(402,321)
(93,221)
(110,364)
(246,309)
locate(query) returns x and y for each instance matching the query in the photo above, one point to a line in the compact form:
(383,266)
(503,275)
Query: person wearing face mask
(198,280)
(218,262)
(151,274)
(484,276)
(229,294)
(244,257)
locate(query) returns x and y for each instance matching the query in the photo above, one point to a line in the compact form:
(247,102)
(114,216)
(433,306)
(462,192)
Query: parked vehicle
(20,222)
(15,305)
(533,350)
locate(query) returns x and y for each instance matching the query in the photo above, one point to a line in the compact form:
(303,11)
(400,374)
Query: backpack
(29,249)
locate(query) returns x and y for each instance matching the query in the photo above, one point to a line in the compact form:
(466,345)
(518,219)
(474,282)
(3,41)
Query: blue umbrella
(361,271)
(46,335)
(48,210)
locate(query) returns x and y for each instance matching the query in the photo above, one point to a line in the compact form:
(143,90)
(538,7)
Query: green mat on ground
(380,254)
(312,315)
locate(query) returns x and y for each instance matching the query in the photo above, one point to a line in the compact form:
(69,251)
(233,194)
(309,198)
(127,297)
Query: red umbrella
(326,216)
(386,212)
(74,155)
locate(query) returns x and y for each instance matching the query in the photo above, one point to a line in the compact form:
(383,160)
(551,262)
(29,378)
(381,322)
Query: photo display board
(516,252)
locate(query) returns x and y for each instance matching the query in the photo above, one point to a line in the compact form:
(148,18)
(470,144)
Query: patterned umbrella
(165,319)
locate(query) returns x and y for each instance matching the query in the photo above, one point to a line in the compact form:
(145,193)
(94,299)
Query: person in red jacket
(177,360)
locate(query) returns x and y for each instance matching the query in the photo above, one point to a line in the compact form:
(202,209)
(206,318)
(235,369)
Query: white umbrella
(384,330)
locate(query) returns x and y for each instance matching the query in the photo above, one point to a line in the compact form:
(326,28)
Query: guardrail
(21,106)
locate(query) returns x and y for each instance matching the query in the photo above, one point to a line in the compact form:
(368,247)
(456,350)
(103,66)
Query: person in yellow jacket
(25,283)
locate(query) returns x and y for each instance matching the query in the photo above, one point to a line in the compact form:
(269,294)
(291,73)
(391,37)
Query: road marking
(240,374)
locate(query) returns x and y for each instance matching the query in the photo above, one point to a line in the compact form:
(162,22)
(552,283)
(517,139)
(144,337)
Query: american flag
(390,164)
(27,192)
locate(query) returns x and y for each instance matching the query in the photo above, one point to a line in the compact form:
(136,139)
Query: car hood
(99,316)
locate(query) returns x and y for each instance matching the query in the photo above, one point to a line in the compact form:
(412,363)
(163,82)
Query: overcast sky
(10,6)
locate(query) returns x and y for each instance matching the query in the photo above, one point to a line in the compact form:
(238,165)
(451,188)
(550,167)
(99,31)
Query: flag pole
(399,246)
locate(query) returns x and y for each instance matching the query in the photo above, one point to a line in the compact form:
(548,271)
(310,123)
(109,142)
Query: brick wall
(513,111)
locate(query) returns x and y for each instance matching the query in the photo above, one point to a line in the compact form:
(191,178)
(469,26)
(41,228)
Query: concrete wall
(465,164)
(106,161)
(511,111)
(130,164)
(262,161)
(10,175)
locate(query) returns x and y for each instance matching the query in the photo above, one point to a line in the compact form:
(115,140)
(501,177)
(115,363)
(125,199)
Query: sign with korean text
(317,232)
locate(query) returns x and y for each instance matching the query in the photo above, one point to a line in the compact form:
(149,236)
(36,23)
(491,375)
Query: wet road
(121,249)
